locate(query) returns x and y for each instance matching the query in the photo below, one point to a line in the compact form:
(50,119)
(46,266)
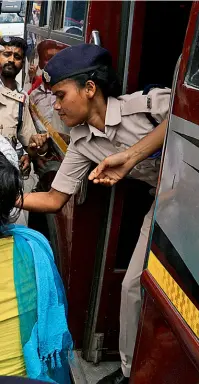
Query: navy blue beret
(75,60)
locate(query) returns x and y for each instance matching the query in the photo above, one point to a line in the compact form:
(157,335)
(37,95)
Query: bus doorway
(168,337)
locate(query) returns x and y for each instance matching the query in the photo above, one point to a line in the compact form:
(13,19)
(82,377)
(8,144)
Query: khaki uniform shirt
(44,100)
(9,112)
(125,124)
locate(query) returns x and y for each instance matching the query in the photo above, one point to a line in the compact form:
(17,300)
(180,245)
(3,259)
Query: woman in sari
(34,338)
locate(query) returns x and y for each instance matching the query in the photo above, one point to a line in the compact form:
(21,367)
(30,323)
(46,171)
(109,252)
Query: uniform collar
(79,132)
(94,132)
(18,87)
(113,112)
(85,130)
(112,118)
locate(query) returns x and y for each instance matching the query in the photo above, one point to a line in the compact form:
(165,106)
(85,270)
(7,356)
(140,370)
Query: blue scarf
(46,340)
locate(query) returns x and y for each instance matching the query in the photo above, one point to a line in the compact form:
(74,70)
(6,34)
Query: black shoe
(116,377)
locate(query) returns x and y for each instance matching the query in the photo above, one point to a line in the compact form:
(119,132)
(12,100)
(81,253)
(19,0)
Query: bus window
(48,12)
(39,13)
(74,18)
(11,25)
(36,9)
(10,18)
(192,75)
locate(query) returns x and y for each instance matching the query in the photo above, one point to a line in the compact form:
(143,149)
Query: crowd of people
(123,135)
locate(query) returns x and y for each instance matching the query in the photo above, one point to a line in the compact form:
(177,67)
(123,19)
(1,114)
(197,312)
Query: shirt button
(117,144)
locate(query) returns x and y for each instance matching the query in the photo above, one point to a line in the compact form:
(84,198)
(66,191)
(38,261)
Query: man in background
(42,98)
(16,123)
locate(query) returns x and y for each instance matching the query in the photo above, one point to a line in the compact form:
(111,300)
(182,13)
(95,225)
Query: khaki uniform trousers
(131,297)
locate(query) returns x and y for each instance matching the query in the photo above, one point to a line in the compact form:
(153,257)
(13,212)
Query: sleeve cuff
(66,184)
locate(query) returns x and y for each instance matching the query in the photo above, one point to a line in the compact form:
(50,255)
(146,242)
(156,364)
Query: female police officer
(87,99)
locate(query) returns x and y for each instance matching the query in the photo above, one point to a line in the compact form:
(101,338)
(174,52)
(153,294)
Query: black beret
(75,60)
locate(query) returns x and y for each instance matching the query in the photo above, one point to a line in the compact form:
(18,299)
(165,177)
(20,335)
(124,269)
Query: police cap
(75,60)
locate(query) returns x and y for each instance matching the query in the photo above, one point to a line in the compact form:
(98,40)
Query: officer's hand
(25,165)
(111,170)
(39,142)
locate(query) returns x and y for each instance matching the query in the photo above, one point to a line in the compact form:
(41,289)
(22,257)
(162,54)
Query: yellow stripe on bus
(175,294)
(52,132)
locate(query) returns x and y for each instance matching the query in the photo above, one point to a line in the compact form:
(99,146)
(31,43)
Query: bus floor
(83,372)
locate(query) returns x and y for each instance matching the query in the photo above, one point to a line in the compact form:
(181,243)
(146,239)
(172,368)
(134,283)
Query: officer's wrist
(131,157)
(42,154)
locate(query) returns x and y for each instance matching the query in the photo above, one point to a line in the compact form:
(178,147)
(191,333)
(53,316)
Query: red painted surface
(63,225)
(105,17)
(108,316)
(186,104)
(167,352)
(83,233)
(136,46)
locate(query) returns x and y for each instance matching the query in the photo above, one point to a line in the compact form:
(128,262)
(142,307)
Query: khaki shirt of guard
(125,124)
(44,101)
(9,111)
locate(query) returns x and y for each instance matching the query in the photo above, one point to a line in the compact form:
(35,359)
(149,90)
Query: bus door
(167,347)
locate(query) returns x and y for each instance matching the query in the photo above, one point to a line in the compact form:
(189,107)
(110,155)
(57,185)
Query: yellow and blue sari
(34,336)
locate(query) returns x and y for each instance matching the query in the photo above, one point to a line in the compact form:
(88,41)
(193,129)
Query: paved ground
(94,373)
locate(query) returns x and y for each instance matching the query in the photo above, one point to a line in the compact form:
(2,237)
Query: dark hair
(11,188)
(12,41)
(104,77)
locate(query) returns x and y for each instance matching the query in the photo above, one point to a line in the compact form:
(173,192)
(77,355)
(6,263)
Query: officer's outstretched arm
(115,167)
(51,201)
